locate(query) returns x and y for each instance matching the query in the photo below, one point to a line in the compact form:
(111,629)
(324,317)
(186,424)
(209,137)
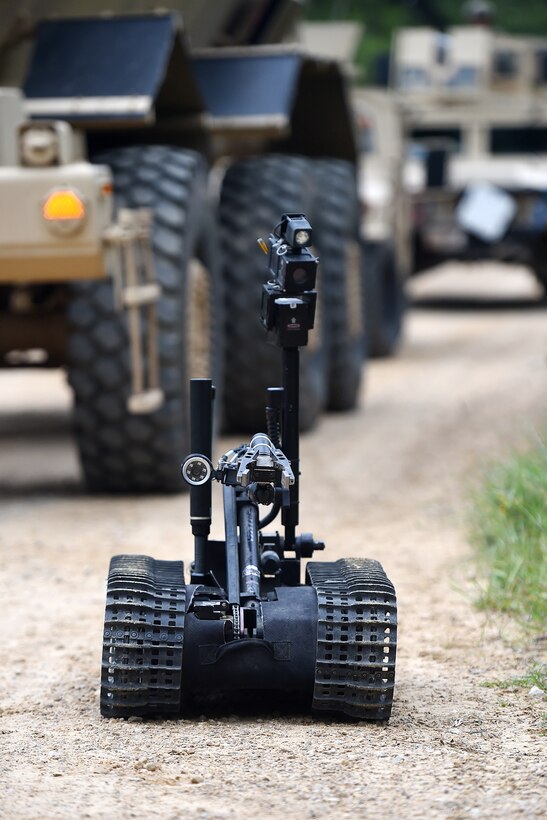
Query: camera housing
(291,263)
(288,302)
(296,273)
(296,230)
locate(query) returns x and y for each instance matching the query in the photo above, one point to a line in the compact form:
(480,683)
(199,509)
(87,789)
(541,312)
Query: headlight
(39,145)
(295,230)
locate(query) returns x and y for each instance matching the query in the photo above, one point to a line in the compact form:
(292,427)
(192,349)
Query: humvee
(474,107)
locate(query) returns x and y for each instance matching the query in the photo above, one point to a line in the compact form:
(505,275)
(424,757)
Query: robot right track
(356,638)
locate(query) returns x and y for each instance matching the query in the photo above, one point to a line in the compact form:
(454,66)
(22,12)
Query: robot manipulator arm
(260,467)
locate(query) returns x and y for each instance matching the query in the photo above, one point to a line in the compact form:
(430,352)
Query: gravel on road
(390,481)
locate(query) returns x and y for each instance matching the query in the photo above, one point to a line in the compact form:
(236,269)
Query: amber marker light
(63,204)
(64,211)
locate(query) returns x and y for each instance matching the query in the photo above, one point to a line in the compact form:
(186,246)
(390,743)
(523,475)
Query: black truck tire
(255,192)
(541,276)
(334,217)
(120,451)
(384,300)
(539,260)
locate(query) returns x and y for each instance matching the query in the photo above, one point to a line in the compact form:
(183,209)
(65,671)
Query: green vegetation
(537,676)
(381,19)
(509,529)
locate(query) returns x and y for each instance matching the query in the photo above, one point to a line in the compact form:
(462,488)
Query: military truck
(142,152)
(386,218)
(474,107)
(384,203)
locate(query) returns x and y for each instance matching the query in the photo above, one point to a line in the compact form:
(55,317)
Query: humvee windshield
(511,140)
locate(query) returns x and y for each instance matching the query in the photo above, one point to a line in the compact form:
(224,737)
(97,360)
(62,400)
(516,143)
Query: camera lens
(196,470)
(299,276)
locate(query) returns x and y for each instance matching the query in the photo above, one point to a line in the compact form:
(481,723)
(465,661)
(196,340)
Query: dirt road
(469,383)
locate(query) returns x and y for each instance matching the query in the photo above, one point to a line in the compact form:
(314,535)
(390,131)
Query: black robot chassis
(245,622)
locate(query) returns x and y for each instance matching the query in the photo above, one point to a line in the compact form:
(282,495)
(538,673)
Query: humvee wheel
(383,298)
(356,638)
(141,670)
(334,215)
(120,451)
(254,192)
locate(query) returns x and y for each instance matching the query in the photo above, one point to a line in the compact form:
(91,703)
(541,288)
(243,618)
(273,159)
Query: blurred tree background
(381,17)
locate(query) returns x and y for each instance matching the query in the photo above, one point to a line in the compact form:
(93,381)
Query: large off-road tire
(255,192)
(334,217)
(142,453)
(384,300)
(541,276)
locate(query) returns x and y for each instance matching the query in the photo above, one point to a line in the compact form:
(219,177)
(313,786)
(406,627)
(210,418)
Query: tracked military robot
(245,622)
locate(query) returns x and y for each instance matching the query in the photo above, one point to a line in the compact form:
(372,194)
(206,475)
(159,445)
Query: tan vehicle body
(30,249)
(384,200)
(474,105)
(385,218)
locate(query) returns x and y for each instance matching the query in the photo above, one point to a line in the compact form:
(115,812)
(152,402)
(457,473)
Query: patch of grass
(509,530)
(536,676)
